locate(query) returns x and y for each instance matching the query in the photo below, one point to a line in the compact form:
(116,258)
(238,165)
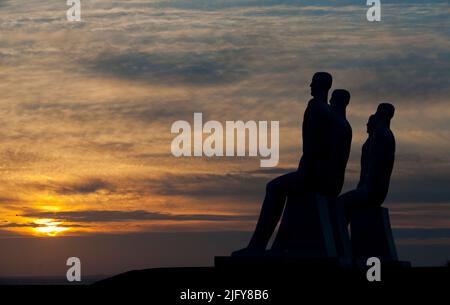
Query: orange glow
(50,208)
(49,227)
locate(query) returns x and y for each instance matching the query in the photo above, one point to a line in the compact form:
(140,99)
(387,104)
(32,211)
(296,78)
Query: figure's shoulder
(390,135)
(383,135)
(341,125)
(311,103)
(318,106)
(382,132)
(310,108)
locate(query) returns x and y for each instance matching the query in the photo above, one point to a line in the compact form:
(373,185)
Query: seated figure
(303,230)
(321,127)
(377,161)
(371,233)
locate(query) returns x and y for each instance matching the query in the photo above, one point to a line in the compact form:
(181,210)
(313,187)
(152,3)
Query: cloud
(239,4)
(113,216)
(18,159)
(404,75)
(202,69)
(238,186)
(8,225)
(422,233)
(421,187)
(85,187)
(19,225)
(7,200)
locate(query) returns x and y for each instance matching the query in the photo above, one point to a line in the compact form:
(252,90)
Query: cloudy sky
(87,107)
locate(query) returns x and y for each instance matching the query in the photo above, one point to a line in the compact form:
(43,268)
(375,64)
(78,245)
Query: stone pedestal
(340,233)
(310,235)
(269,260)
(306,229)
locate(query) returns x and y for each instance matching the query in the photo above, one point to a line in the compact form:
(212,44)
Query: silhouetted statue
(339,218)
(371,233)
(303,212)
(326,140)
(377,161)
(316,141)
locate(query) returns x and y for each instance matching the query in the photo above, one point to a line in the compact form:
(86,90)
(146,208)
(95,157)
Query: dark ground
(284,285)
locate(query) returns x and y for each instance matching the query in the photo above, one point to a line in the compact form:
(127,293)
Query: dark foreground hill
(249,285)
(281,285)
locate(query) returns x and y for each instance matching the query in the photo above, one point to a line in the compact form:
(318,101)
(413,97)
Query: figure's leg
(271,210)
(293,188)
(348,201)
(341,211)
(290,217)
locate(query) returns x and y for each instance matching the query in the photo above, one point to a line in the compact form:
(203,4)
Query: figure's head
(385,112)
(339,100)
(321,83)
(371,124)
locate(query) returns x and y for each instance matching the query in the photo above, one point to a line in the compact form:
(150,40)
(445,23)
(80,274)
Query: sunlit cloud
(49,227)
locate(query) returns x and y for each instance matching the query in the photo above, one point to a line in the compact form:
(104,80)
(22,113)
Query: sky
(86,110)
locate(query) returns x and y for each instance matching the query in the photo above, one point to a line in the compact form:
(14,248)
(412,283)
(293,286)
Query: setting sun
(49,227)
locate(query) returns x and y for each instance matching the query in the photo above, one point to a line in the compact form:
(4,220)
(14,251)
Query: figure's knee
(272,186)
(375,199)
(283,184)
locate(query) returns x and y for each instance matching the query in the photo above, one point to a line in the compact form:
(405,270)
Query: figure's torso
(333,169)
(317,144)
(380,165)
(364,163)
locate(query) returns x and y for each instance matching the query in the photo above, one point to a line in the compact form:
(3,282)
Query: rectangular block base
(274,261)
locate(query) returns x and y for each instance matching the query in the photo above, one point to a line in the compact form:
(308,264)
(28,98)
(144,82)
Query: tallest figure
(314,173)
